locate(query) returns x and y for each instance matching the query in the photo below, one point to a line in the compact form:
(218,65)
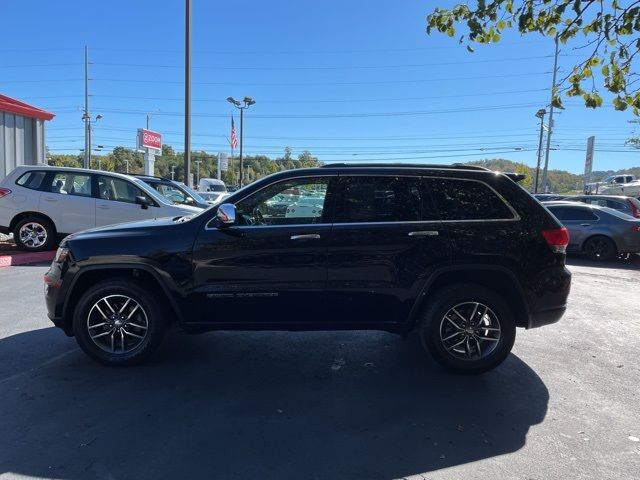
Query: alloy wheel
(599,248)
(117,324)
(33,235)
(470,331)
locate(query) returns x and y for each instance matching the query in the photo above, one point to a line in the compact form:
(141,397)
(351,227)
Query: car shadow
(334,405)
(623,262)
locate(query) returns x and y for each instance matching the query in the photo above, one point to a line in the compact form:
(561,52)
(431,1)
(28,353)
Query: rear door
(116,202)
(581,222)
(383,245)
(67,199)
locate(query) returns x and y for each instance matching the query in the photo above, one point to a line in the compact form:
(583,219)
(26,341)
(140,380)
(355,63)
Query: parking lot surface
(328,405)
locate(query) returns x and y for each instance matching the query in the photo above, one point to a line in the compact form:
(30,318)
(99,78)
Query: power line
(323,67)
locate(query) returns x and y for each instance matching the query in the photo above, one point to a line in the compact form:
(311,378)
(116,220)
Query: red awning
(11,105)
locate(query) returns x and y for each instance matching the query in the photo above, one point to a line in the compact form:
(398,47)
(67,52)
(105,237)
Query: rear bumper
(546,317)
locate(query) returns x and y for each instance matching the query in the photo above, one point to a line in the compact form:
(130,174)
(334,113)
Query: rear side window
(71,183)
(32,180)
(467,200)
(568,213)
(378,199)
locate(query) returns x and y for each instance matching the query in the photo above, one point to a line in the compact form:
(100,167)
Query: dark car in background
(548,197)
(176,192)
(460,254)
(599,232)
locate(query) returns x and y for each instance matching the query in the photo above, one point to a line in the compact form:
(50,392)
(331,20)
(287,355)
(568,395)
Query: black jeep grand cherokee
(460,254)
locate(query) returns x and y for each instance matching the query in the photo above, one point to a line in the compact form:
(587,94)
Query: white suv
(40,204)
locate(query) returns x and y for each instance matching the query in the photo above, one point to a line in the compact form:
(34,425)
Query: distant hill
(560,181)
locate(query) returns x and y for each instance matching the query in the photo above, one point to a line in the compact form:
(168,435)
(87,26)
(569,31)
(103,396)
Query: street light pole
(173,172)
(187,95)
(86,117)
(540,114)
(248,101)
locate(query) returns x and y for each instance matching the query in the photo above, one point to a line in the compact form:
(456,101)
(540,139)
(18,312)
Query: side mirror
(226,214)
(142,201)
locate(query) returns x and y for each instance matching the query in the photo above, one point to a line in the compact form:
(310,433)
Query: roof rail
(456,166)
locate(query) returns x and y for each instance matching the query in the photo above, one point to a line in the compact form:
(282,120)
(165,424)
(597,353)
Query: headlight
(61,255)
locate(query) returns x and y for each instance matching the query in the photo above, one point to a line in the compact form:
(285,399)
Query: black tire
(34,242)
(497,345)
(600,248)
(150,313)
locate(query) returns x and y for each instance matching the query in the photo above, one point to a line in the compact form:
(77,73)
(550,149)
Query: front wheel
(117,322)
(468,329)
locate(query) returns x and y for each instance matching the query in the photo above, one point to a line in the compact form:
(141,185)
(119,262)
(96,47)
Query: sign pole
(588,162)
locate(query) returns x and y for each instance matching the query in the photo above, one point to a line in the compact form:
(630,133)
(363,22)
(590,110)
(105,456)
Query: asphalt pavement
(328,405)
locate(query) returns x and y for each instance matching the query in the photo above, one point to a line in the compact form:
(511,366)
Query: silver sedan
(599,232)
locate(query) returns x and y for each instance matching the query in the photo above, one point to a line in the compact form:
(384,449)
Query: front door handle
(308,236)
(424,233)
(104,207)
(51,199)
(585,224)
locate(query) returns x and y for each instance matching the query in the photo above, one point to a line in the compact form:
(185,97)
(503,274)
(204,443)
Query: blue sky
(347,80)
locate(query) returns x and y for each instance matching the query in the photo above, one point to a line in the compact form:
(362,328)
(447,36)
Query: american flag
(234,138)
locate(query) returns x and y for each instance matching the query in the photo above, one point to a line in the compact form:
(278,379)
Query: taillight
(557,239)
(635,228)
(4,192)
(634,210)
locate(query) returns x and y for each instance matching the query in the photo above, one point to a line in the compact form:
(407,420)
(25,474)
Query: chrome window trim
(516,217)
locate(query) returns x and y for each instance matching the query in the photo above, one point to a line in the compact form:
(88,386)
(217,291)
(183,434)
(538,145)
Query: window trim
(516,217)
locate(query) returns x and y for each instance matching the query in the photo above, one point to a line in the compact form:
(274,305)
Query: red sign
(149,139)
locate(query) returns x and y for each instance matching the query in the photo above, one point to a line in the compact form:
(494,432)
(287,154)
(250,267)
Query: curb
(14,259)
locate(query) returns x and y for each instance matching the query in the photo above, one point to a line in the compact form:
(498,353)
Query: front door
(116,202)
(383,246)
(269,267)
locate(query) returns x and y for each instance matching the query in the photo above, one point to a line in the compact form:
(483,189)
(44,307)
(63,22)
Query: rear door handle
(424,233)
(51,199)
(308,236)
(585,224)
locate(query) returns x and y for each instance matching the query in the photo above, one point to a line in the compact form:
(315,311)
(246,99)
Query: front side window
(70,183)
(171,193)
(119,190)
(299,201)
(467,200)
(367,199)
(32,180)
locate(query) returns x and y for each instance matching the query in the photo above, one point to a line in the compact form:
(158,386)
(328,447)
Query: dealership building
(22,134)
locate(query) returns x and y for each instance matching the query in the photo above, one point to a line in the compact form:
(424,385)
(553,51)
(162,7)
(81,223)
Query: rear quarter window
(456,199)
(32,179)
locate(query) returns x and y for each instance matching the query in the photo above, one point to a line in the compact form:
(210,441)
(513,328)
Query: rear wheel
(468,329)
(117,322)
(600,248)
(34,234)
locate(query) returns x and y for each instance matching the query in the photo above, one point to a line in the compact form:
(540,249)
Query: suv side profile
(460,254)
(41,204)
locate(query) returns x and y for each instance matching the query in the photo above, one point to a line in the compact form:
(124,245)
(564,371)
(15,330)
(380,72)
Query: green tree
(610,31)
(523,169)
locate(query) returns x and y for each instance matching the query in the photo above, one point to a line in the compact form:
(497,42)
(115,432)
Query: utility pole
(173,172)
(540,114)
(187,95)
(550,129)
(86,117)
